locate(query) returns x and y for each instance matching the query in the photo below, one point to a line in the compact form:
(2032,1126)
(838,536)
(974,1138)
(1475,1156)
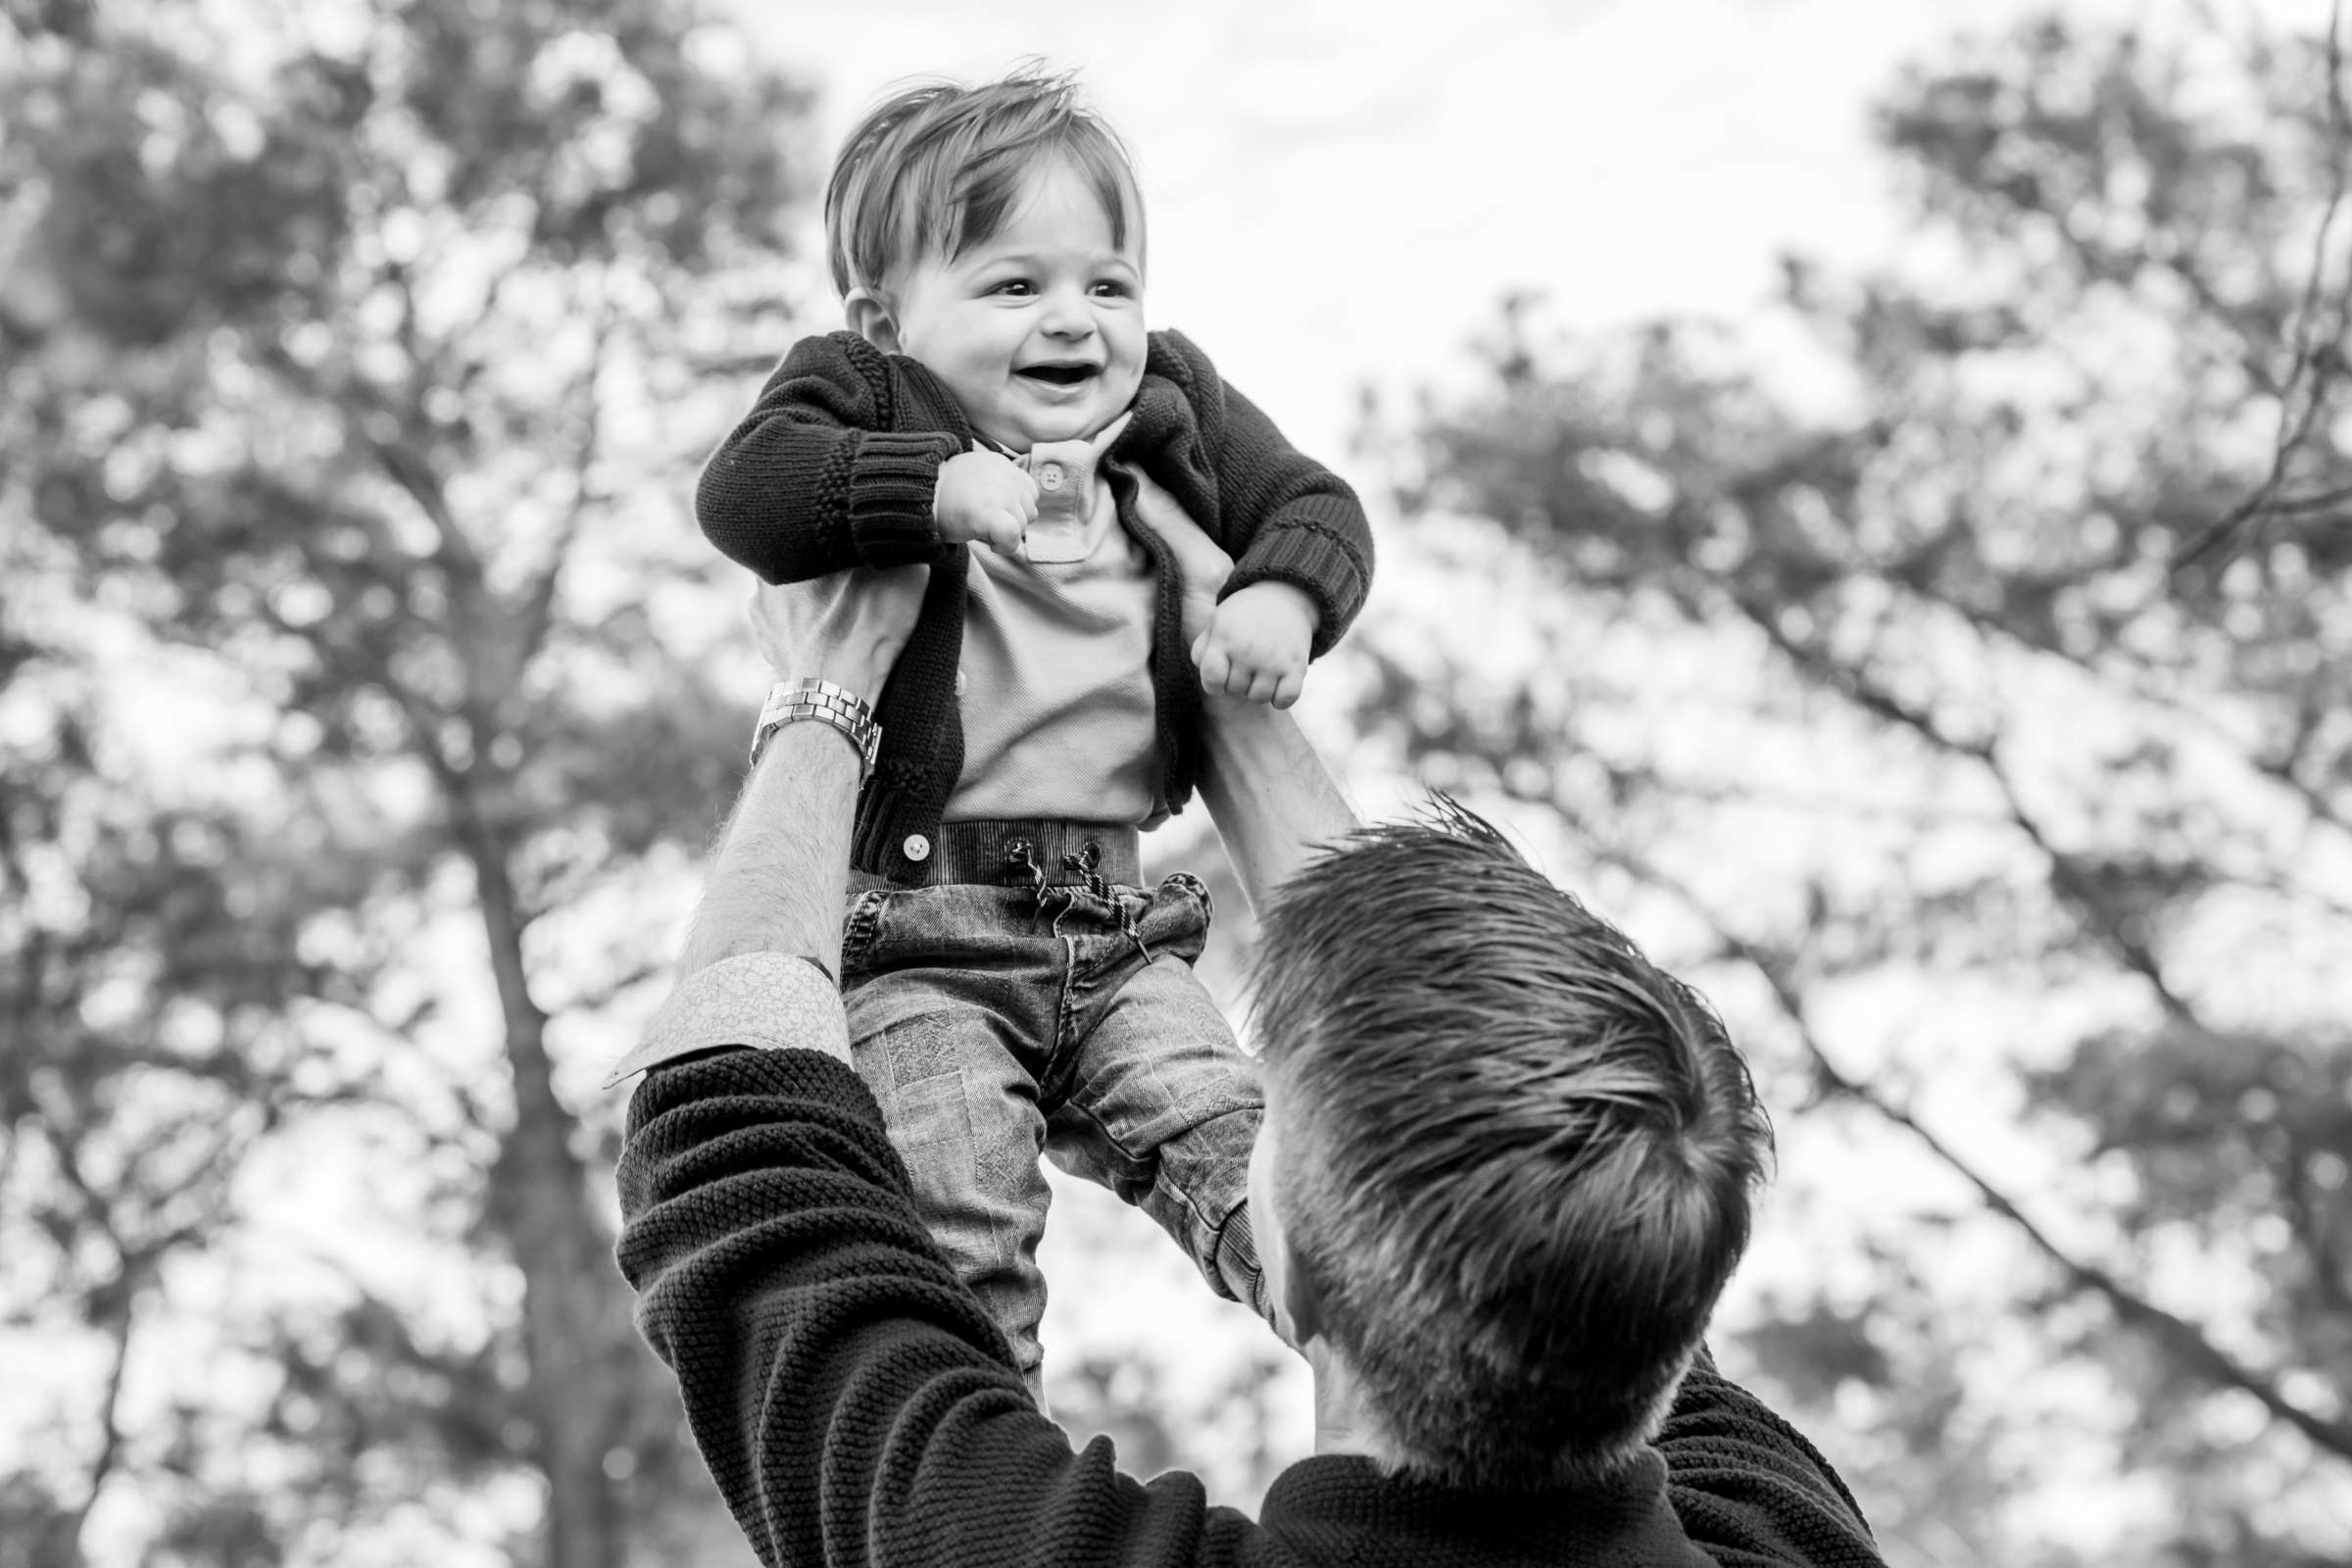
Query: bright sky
(1339,190)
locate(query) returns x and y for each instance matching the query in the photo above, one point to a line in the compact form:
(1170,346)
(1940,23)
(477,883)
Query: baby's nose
(1068,317)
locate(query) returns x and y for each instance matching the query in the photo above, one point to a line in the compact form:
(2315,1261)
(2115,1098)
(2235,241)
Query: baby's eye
(1015,286)
(1111,289)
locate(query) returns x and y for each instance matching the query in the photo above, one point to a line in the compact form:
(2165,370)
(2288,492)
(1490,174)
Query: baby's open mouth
(1060,375)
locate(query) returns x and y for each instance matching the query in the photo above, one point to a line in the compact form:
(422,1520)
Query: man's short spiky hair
(939,166)
(1515,1158)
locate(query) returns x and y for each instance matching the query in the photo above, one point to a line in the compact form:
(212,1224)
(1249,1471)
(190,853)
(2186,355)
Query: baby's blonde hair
(938,166)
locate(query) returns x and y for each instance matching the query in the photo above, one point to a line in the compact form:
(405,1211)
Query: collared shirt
(767,1001)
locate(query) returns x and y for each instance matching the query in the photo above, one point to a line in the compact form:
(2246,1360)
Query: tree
(1967,696)
(352,353)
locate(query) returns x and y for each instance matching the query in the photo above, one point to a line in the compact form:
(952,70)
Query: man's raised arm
(1273,800)
(854,1401)
(771,916)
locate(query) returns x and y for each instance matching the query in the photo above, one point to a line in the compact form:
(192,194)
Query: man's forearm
(772,898)
(1274,803)
(776,883)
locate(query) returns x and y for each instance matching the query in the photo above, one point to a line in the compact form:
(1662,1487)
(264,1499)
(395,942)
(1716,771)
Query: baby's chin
(1045,431)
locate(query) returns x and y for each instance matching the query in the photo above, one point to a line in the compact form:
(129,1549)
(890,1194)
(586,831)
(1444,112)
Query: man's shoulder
(1750,1487)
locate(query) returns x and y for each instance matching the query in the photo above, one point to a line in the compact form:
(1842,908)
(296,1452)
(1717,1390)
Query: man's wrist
(777,879)
(823,701)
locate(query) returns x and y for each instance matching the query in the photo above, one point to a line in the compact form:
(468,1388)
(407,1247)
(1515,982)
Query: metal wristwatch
(826,703)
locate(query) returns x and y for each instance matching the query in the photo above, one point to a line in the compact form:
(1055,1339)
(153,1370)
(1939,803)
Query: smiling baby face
(1038,329)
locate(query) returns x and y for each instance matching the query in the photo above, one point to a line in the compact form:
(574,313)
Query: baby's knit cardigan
(836,464)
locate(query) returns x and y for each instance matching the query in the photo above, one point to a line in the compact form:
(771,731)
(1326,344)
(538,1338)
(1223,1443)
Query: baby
(1010,985)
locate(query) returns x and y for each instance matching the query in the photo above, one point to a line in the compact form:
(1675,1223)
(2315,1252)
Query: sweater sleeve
(852,1397)
(812,481)
(1287,518)
(1747,1486)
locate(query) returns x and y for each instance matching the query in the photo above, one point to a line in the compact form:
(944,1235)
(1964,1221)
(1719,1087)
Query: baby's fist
(985,496)
(1258,643)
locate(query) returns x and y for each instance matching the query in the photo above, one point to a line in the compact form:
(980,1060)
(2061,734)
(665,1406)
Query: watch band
(826,703)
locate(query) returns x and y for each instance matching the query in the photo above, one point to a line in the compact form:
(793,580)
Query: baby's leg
(943,1049)
(1160,1104)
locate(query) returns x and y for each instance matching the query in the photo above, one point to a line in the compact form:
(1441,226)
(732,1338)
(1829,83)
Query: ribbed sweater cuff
(892,482)
(1318,562)
(1238,1267)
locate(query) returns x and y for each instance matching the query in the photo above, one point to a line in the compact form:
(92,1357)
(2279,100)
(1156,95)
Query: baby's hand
(1258,643)
(984,496)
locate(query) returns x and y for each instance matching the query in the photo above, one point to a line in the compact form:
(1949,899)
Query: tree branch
(110,1414)
(2317,361)
(413,472)
(2067,876)
(539,594)
(2283,773)
(408,469)
(2188,1343)
(2312,1217)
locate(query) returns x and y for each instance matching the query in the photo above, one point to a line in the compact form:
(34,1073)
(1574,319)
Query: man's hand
(1256,644)
(1201,565)
(848,628)
(987,497)
(1273,802)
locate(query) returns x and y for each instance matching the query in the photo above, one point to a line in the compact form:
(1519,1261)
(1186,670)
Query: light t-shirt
(1059,715)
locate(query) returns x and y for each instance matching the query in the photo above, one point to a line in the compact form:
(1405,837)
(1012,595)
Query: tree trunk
(575,1324)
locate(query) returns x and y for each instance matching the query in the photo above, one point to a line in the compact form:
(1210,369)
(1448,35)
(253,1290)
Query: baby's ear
(870,319)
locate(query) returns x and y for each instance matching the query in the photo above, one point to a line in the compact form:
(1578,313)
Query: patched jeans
(996,1023)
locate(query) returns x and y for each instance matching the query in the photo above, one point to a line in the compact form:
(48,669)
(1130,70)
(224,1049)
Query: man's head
(1506,1164)
(994,234)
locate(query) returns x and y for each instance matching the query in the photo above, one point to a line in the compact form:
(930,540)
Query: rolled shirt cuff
(765,1000)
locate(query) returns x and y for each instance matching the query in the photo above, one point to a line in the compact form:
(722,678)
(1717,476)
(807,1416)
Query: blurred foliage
(350,358)
(145,973)
(1960,692)
(1962,678)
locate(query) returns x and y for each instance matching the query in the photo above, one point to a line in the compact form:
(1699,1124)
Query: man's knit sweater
(856,1404)
(836,465)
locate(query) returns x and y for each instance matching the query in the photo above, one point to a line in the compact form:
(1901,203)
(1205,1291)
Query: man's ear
(1301,1305)
(870,319)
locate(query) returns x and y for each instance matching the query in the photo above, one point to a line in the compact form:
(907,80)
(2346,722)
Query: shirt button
(916,847)
(1048,477)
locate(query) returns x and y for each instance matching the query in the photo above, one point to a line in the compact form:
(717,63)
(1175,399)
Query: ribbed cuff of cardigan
(1317,560)
(1238,1267)
(893,481)
(767,1001)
